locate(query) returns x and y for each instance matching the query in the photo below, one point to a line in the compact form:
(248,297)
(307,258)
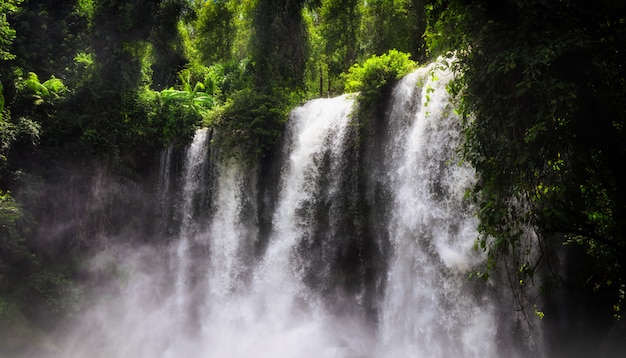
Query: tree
(542,91)
(251,120)
(393,24)
(345,32)
(374,79)
(168,58)
(280,48)
(339,29)
(214,32)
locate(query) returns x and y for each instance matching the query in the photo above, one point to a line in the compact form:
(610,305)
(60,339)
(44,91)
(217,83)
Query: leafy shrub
(52,89)
(251,122)
(376,76)
(181,111)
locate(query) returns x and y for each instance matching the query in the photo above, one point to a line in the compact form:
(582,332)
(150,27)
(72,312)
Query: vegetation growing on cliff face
(374,79)
(540,86)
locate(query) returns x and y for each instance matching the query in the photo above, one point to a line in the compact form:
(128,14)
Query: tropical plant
(251,122)
(194,100)
(50,90)
(181,111)
(376,76)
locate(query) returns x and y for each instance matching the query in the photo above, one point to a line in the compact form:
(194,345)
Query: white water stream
(214,293)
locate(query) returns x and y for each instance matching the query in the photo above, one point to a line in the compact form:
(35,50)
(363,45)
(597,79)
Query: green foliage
(166,43)
(193,99)
(51,90)
(214,32)
(85,8)
(541,88)
(376,76)
(220,80)
(14,130)
(339,23)
(392,24)
(10,213)
(181,111)
(345,32)
(7,34)
(279,45)
(13,252)
(379,71)
(231,76)
(84,59)
(250,122)
(48,36)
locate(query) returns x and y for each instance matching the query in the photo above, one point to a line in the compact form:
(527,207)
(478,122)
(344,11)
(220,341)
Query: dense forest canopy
(540,85)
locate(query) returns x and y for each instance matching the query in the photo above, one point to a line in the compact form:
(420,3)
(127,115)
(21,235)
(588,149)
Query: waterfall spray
(214,293)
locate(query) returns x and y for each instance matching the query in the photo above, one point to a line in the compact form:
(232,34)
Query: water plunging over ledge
(366,253)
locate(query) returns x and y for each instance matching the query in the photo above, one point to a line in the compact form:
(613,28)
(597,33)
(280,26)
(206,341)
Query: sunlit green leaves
(376,75)
(378,71)
(50,90)
(7,33)
(84,59)
(181,111)
(195,100)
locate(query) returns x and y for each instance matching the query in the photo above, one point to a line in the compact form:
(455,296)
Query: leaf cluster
(250,122)
(181,111)
(541,90)
(375,77)
(7,33)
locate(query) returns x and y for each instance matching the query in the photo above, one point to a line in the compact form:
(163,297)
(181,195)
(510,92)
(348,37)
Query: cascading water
(193,180)
(429,309)
(357,262)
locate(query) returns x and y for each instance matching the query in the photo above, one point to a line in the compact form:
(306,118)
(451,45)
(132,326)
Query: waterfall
(193,180)
(368,251)
(429,309)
